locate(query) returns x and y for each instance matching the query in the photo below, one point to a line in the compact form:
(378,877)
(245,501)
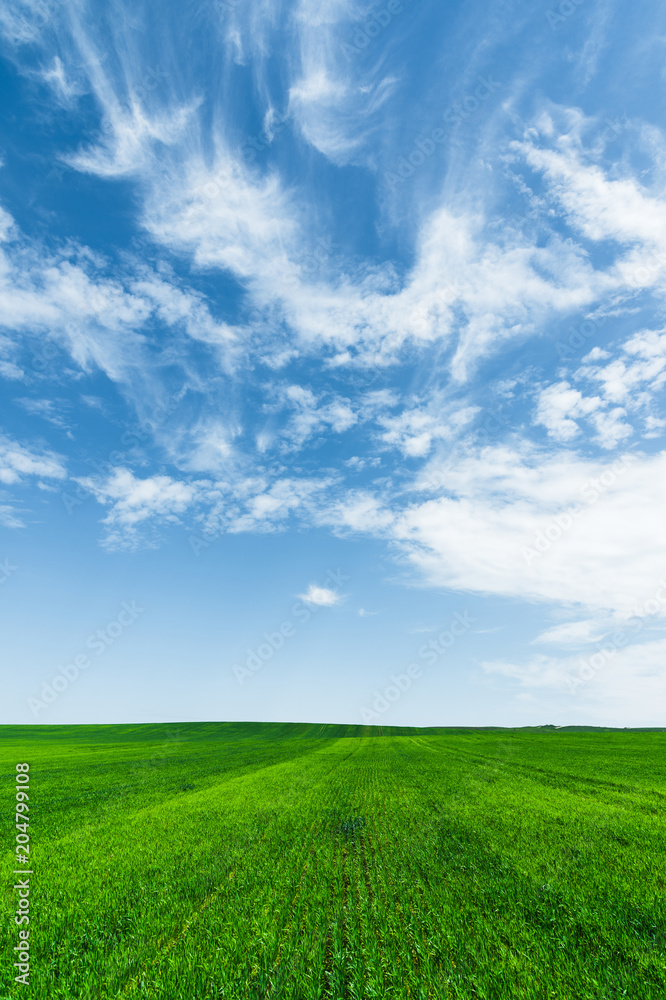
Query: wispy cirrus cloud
(625,687)
(21,464)
(18,461)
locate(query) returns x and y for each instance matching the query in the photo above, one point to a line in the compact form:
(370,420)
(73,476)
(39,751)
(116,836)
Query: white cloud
(505,527)
(23,21)
(599,207)
(358,464)
(227,218)
(136,499)
(133,139)
(357,510)
(94,319)
(174,306)
(239,503)
(66,85)
(264,511)
(45,408)
(558,407)
(337,111)
(320,596)
(415,431)
(7,224)
(625,686)
(66,300)
(611,427)
(312,416)
(205,200)
(140,117)
(336,99)
(9,368)
(11,371)
(18,461)
(578,633)
(9,517)
(469,288)
(632,379)
(133,501)
(637,374)
(206,446)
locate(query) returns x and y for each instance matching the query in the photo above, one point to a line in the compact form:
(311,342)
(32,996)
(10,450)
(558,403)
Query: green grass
(298,862)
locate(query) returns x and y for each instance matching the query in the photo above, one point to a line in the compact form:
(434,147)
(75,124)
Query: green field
(293,861)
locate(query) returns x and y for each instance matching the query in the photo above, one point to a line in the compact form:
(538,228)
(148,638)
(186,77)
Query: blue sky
(333,353)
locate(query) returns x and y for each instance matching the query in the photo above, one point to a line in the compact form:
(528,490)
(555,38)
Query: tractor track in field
(344,919)
(327,964)
(399,903)
(214,896)
(321,828)
(393,920)
(284,920)
(562,779)
(290,911)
